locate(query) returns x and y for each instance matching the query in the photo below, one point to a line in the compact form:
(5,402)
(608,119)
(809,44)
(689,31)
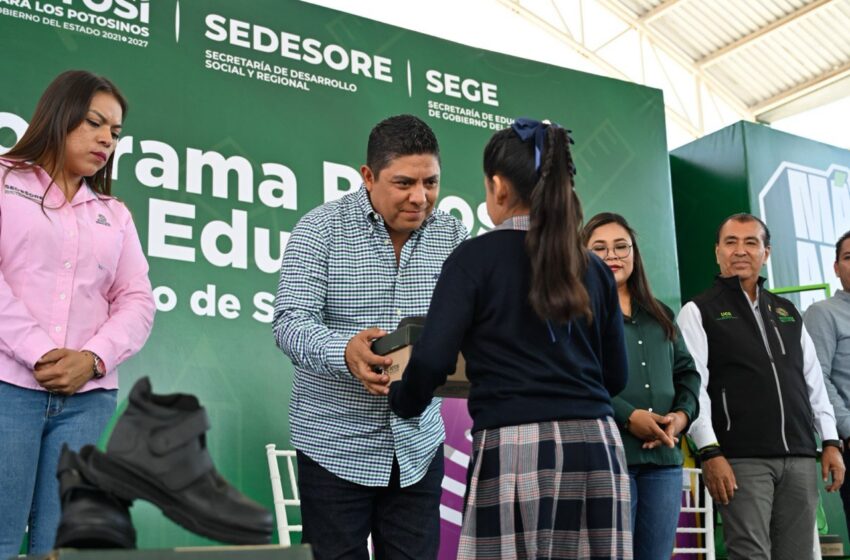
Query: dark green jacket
(662,379)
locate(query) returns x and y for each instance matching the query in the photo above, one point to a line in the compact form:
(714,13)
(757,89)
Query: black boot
(91,518)
(157,452)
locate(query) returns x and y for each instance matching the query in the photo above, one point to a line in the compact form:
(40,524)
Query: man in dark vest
(761,400)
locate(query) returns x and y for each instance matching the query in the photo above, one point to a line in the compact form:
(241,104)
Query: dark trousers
(338,515)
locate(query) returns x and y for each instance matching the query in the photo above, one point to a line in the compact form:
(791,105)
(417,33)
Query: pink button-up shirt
(72,275)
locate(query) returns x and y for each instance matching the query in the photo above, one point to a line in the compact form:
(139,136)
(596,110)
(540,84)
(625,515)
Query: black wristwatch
(836,443)
(710,452)
(98,370)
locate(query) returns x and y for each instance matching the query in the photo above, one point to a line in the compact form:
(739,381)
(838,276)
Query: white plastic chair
(697,502)
(284,529)
(280,502)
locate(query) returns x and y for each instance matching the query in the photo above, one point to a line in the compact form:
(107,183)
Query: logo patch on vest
(724,315)
(784,317)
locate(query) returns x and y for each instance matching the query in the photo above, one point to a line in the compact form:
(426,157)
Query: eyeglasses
(620,250)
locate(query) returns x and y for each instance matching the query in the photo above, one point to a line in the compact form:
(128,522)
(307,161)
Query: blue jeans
(338,515)
(656,501)
(33,427)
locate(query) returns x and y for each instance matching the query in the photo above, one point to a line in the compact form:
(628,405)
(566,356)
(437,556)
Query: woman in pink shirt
(75,298)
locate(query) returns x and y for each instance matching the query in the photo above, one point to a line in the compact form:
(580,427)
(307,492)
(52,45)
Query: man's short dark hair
(744,217)
(402,135)
(840,242)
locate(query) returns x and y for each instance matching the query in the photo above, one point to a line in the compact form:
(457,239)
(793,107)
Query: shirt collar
(53,194)
(841,294)
(84,194)
(519,223)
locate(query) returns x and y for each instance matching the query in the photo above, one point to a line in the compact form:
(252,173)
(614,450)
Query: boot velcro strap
(188,472)
(166,440)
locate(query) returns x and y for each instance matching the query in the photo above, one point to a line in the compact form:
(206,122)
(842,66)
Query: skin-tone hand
(720,479)
(63,370)
(831,462)
(645,425)
(678,421)
(675,423)
(361,360)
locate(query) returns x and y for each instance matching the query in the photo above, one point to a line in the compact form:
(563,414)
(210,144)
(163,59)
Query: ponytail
(553,243)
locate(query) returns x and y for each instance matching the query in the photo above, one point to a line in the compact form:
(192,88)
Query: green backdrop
(243,116)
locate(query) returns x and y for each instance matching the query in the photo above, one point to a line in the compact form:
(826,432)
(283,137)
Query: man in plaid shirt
(352,269)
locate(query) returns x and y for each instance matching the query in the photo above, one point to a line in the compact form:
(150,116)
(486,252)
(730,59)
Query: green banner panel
(709,183)
(245,115)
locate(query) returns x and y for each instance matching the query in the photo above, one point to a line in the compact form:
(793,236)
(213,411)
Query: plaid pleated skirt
(555,489)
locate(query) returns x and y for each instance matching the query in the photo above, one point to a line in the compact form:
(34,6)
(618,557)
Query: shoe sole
(121,479)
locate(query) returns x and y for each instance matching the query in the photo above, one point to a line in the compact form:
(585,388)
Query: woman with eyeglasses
(661,397)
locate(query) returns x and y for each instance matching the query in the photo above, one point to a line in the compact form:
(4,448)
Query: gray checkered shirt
(339,276)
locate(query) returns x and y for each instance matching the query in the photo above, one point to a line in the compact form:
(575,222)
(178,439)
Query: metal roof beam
(657,11)
(579,47)
(612,70)
(801,90)
(674,52)
(725,51)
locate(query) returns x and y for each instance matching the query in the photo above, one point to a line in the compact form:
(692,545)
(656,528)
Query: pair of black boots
(157,452)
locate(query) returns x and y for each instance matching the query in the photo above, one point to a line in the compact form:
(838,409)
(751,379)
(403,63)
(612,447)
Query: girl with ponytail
(537,319)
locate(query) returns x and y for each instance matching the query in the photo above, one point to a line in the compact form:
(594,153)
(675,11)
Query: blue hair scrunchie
(527,129)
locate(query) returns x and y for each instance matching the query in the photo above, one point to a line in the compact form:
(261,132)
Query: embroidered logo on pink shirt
(101,219)
(23,194)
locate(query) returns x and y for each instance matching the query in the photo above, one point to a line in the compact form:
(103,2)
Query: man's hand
(644,425)
(63,370)
(831,462)
(719,479)
(361,360)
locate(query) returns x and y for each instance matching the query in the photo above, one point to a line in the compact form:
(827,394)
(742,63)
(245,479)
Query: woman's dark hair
(62,107)
(637,283)
(558,259)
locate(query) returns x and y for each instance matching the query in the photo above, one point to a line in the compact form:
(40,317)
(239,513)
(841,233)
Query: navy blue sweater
(521,369)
